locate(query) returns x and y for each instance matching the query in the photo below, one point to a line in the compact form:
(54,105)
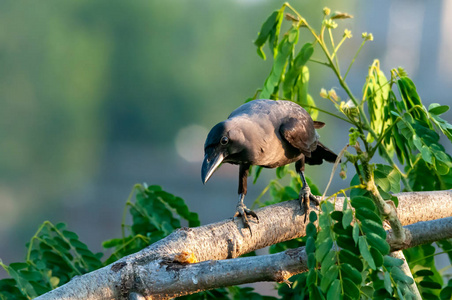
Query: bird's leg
(242,210)
(305,193)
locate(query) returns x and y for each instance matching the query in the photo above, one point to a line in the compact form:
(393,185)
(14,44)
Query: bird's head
(223,140)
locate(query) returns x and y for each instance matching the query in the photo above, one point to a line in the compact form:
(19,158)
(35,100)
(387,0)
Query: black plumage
(265,133)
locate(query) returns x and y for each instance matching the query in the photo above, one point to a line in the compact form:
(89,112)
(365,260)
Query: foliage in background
(55,254)
(348,256)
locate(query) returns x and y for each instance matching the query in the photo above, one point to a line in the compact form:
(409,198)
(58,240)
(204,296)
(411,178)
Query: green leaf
(323,249)
(350,288)
(290,193)
(398,275)
(268,28)
(314,293)
(312,216)
(24,285)
(441,168)
(376,255)
(439,153)
(31,275)
(443,125)
(356,191)
(282,171)
(334,292)
(70,235)
(437,109)
(345,204)
(430,284)
(153,188)
(78,245)
(327,207)
(356,232)
(307,100)
(337,215)
(324,218)
(18,266)
(181,208)
(417,142)
(347,218)
(274,34)
(285,48)
(426,154)
(392,262)
(446,293)
(311,230)
(364,249)
(374,227)
(311,261)
(351,273)
(377,242)
(296,69)
(408,92)
(348,257)
(387,178)
(429,296)
(346,242)
(312,276)
(310,245)
(387,282)
(314,189)
(340,230)
(330,275)
(328,261)
(425,272)
(257,173)
(363,213)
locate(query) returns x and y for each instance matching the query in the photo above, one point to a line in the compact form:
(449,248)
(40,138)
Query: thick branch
(153,271)
(275,267)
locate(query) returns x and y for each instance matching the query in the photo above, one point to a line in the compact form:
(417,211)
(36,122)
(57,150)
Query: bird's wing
(300,133)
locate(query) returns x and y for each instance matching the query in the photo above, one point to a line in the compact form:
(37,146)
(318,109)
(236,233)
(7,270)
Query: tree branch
(157,272)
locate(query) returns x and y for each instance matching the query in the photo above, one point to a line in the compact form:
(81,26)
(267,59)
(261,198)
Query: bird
(270,134)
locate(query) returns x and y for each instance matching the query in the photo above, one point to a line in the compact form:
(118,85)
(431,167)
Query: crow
(270,134)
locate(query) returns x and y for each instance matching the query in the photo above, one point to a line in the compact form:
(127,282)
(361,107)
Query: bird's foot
(244,212)
(305,198)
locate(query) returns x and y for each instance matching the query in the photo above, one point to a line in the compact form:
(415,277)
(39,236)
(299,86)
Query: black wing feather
(300,133)
(319,154)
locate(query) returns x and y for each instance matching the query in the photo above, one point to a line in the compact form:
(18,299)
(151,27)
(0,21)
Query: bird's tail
(319,154)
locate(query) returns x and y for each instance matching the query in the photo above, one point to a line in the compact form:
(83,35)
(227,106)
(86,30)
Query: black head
(222,141)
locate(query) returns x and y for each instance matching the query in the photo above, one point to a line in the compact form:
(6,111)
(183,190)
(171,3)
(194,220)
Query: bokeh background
(96,96)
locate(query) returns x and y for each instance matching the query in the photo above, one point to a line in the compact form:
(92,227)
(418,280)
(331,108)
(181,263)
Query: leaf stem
(319,62)
(327,112)
(334,56)
(124,213)
(430,255)
(358,186)
(338,46)
(354,58)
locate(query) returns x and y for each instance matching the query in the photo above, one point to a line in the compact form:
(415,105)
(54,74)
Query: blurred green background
(98,95)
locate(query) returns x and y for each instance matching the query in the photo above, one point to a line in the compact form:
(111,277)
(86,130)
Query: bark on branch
(156,273)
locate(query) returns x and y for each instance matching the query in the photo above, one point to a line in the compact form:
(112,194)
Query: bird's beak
(211,162)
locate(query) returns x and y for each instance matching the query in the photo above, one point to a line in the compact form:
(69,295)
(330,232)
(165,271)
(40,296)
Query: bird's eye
(224,140)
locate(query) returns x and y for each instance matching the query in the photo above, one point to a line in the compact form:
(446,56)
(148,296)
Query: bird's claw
(244,212)
(305,198)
